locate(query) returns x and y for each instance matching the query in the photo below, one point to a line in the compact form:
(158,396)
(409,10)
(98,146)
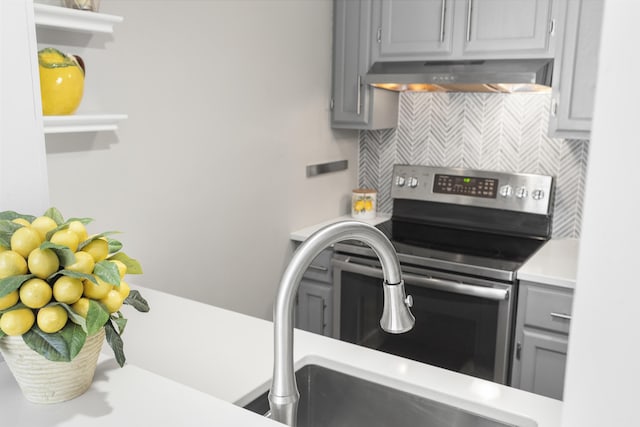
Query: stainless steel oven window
(480,298)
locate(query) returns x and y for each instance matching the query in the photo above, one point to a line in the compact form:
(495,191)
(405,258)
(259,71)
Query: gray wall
(227,102)
(502,132)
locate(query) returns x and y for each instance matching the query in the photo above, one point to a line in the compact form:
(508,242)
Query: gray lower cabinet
(575,70)
(541,339)
(355,105)
(314,311)
(407,30)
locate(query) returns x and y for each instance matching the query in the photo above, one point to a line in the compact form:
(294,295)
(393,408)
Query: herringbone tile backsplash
(500,132)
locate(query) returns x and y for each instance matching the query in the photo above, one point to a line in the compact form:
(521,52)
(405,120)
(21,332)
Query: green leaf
(133,266)
(136,301)
(2,334)
(65,224)
(14,307)
(55,215)
(74,274)
(97,316)
(94,237)
(120,321)
(107,271)
(73,316)
(115,342)
(85,221)
(65,255)
(114,245)
(11,283)
(11,215)
(75,338)
(52,346)
(7,228)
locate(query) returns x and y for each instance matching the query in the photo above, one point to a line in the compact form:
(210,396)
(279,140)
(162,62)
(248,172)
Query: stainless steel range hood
(522,75)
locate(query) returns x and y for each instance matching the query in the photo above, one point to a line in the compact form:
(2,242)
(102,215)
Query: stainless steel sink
(332,398)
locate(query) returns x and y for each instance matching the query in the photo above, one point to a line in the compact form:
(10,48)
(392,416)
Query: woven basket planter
(44,381)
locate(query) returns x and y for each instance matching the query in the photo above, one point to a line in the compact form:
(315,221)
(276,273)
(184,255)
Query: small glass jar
(92,5)
(363,203)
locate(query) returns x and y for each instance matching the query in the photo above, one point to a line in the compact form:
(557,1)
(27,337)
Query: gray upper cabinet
(509,26)
(576,69)
(405,30)
(355,105)
(413,28)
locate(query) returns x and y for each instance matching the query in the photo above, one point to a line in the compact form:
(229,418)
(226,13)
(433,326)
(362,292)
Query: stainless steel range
(460,235)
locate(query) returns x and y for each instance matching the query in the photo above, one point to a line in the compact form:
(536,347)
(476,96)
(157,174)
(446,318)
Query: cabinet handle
(554,107)
(470,6)
(518,350)
(318,268)
(561,316)
(442,13)
(552,27)
(359,94)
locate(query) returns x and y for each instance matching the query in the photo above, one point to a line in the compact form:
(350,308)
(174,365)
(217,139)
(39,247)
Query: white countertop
(188,361)
(556,263)
(302,234)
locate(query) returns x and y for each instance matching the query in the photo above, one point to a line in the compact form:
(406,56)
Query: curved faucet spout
(396,316)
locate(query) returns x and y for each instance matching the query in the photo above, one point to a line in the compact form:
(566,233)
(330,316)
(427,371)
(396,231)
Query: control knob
(413,182)
(537,194)
(521,193)
(506,190)
(400,181)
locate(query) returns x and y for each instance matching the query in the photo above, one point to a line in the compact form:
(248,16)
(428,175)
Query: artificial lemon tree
(59,285)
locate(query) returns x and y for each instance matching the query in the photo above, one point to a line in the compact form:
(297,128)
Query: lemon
(24,240)
(21,221)
(122,268)
(52,319)
(43,262)
(93,291)
(17,322)
(124,290)
(84,263)
(66,238)
(81,307)
(9,300)
(43,225)
(35,293)
(12,264)
(80,230)
(98,248)
(67,289)
(113,301)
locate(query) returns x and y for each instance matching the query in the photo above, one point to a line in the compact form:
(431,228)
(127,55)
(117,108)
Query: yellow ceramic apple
(61,82)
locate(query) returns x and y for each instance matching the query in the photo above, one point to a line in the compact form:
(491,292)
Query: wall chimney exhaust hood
(504,76)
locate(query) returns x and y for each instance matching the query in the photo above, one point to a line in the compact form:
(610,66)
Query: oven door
(462,324)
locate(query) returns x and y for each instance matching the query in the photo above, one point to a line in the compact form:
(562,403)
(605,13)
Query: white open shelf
(82,123)
(73,19)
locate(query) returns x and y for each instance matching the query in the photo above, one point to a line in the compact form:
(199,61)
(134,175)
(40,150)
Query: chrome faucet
(396,316)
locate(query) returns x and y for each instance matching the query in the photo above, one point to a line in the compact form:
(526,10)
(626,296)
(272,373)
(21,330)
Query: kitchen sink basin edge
(412,395)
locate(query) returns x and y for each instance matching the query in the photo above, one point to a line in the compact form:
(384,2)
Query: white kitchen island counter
(187,362)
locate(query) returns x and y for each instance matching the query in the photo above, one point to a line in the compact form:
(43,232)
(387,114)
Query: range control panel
(499,190)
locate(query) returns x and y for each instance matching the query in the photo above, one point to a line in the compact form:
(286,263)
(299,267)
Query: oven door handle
(429,282)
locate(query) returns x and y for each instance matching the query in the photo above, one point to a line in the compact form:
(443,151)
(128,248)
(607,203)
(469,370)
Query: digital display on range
(466,186)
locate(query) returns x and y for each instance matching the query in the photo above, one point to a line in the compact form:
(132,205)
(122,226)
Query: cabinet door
(576,69)
(518,26)
(314,311)
(353,104)
(413,28)
(543,360)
